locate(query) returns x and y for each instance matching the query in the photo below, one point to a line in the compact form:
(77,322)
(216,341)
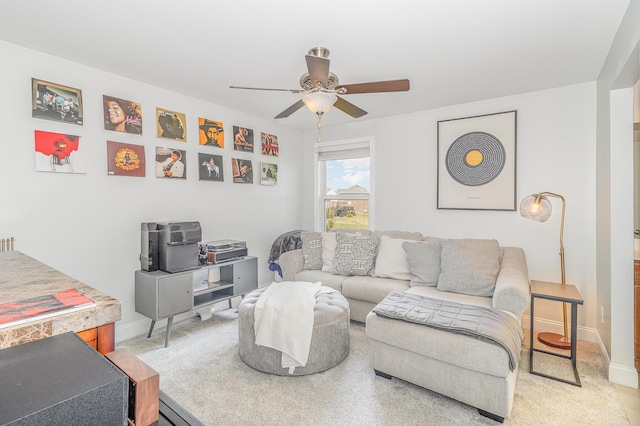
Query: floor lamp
(537,207)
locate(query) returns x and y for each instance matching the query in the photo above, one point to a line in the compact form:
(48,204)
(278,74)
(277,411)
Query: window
(344,182)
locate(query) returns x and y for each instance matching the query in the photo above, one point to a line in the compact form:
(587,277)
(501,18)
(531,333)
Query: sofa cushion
(431,239)
(423,260)
(371,289)
(469,266)
(405,235)
(352,231)
(311,250)
(326,278)
(355,254)
(433,292)
(391,260)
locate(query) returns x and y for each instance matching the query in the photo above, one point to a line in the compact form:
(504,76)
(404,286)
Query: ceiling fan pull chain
(319,126)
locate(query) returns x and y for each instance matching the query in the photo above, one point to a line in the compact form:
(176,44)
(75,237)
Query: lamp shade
(319,102)
(535,207)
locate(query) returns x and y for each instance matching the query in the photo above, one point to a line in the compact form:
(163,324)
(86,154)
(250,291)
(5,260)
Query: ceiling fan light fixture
(319,102)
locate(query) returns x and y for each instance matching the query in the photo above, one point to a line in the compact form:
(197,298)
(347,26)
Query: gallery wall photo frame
(211,132)
(210,167)
(171,124)
(242,139)
(171,163)
(125,159)
(269,144)
(268,174)
(60,153)
(242,170)
(55,102)
(121,115)
(477,162)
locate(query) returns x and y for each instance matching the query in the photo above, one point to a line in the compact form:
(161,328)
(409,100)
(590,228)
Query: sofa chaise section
(469,370)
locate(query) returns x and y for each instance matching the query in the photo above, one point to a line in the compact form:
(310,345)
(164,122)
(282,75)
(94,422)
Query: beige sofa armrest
(291,263)
(512,291)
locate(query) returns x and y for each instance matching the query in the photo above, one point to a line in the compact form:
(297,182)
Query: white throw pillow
(391,261)
(329,244)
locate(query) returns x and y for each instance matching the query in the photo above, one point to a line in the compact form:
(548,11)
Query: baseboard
(135,329)
(141,326)
(584,333)
(623,375)
(620,374)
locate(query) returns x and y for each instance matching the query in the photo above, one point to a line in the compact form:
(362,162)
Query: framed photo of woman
(121,115)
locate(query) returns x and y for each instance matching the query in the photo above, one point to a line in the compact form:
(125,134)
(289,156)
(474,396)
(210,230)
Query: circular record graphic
(475,159)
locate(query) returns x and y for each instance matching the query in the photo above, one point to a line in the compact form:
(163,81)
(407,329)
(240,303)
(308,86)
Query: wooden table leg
(106,338)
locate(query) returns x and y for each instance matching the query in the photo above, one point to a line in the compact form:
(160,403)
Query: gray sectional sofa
(366,266)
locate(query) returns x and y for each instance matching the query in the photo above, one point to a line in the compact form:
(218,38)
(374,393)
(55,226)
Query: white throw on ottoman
(329,341)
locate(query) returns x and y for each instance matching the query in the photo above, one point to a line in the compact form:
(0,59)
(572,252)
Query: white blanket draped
(284,319)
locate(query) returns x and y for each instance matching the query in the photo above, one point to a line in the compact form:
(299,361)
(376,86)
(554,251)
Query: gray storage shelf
(212,295)
(162,295)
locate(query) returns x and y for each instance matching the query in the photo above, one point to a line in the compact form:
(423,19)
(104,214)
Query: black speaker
(60,380)
(149,256)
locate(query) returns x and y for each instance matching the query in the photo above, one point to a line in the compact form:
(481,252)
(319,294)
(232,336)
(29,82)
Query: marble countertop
(23,277)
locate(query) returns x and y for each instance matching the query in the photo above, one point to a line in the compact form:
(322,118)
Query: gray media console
(162,295)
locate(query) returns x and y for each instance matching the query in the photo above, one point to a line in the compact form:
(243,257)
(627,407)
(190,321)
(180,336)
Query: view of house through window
(345,176)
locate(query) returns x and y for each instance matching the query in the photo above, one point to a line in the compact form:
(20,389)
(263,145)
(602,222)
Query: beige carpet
(201,370)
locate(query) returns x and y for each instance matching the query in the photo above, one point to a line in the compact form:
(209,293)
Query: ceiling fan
(320,88)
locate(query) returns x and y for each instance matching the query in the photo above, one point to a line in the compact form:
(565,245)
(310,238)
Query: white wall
(614,120)
(621,147)
(88,225)
(555,152)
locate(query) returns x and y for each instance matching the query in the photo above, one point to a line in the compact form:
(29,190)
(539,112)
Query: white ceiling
(452,51)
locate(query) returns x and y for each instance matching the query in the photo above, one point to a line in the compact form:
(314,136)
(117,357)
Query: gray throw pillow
(311,250)
(469,266)
(423,259)
(355,254)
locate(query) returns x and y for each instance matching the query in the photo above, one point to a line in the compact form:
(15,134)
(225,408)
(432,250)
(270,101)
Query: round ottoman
(329,340)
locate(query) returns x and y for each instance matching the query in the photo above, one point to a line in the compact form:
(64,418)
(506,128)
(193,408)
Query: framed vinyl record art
(55,102)
(125,159)
(477,162)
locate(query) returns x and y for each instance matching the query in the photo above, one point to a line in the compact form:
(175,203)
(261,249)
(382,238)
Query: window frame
(341,149)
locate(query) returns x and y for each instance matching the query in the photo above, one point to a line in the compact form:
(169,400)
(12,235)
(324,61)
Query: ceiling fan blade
(262,88)
(377,87)
(293,108)
(318,69)
(349,108)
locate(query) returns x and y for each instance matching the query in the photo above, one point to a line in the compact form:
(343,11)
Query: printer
(170,246)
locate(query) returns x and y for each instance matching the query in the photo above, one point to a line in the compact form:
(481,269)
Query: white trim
(363,142)
(623,375)
(141,327)
(584,333)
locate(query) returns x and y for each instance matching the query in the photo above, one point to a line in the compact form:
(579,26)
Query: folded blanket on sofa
(475,321)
